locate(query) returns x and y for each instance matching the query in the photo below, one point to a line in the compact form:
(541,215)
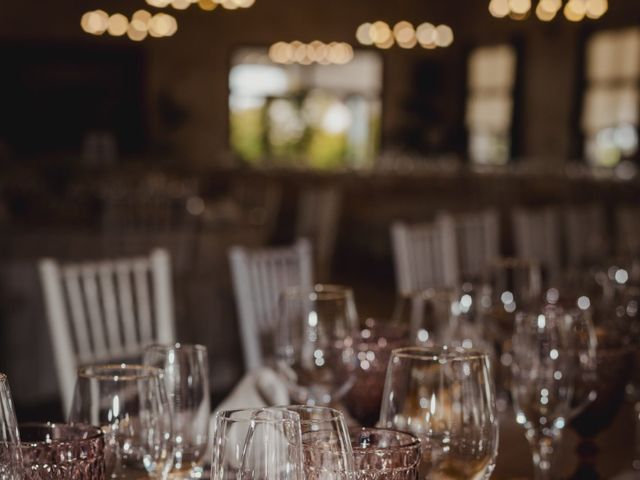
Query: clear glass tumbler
(381,454)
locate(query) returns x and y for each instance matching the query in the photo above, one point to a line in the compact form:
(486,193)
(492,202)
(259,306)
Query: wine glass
(186,379)
(543,375)
(373,346)
(326,443)
(129,403)
(10,456)
(315,342)
(445,397)
(257,443)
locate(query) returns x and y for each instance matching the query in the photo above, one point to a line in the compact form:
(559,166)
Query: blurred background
(196,126)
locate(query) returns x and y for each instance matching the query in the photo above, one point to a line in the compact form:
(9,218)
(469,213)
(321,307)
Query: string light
(207,5)
(547,10)
(404,34)
(337,53)
(141,25)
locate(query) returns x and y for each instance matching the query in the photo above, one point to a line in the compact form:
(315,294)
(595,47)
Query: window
(611,101)
(320,116)
(491,79)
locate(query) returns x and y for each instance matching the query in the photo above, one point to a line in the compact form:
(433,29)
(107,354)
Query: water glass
(381,454)
(257,444)
(542,383)
(444,396)
(326,444)
(315,342)
(129,403)
(10,457)
(186,378)
(62,452)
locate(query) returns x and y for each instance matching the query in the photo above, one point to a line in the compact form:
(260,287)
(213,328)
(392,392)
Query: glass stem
(542,447)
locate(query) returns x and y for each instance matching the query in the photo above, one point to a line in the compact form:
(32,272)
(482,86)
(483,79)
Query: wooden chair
(259,276)
(105,311)
(477,239)
(424,255)
(585,237)
(318,216)
(536,235)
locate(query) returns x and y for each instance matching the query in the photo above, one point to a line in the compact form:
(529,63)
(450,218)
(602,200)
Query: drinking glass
(543,374)
(256,444)
(373,346)
(445,397)
(381,454)
(315,342)
(10,457)
(425,313)
(186,378)
(326,445)
(129,403)
(58,451)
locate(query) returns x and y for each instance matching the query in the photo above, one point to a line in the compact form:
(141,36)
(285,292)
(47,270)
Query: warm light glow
(314,52)
(426,34)
(362,34)
(499,8)
(229,4)
(444,36)
(117,25)
(136,35)
(95,22)
(550,5)
(544,15)
(575,10)
(140,20)
(161,25)
(519,7)
(596,8)
(380,33)
(207,5)
(159,3)
(180,4)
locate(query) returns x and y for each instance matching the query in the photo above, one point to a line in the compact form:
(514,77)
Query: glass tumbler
(381,454)
(129,403)
(10,458)
(186,379)
(65,452)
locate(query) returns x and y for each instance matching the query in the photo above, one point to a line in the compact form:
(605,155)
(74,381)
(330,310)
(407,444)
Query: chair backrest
(585,237)
(259,276)
(424,255)
(537,237)
(628,230)
(317,219)
(105,310)
(477,238)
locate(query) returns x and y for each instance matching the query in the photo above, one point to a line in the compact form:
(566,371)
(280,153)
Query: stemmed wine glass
(315,342)
(543,374)
(444,396)
(257,444)
(129,403)
(10,456)
(186,378)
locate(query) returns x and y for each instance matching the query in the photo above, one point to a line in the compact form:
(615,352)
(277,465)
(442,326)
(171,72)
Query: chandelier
(403,33)
(546,10)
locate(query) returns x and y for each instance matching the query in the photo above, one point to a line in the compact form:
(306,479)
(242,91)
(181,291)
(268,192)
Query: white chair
(424,255)
(628,230)
(585,237)
(317,219)
(536,235)
(105,310)
(477,237)
(259,276)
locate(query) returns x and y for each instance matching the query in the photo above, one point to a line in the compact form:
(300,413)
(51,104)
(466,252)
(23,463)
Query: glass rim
(133,372)
(429,293)
(194,347)
(319,291)
(228,415)
(413,441)
(333,413)
(97,433)
(442,354)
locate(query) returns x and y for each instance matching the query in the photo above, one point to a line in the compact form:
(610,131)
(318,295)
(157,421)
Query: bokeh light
(318,52)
